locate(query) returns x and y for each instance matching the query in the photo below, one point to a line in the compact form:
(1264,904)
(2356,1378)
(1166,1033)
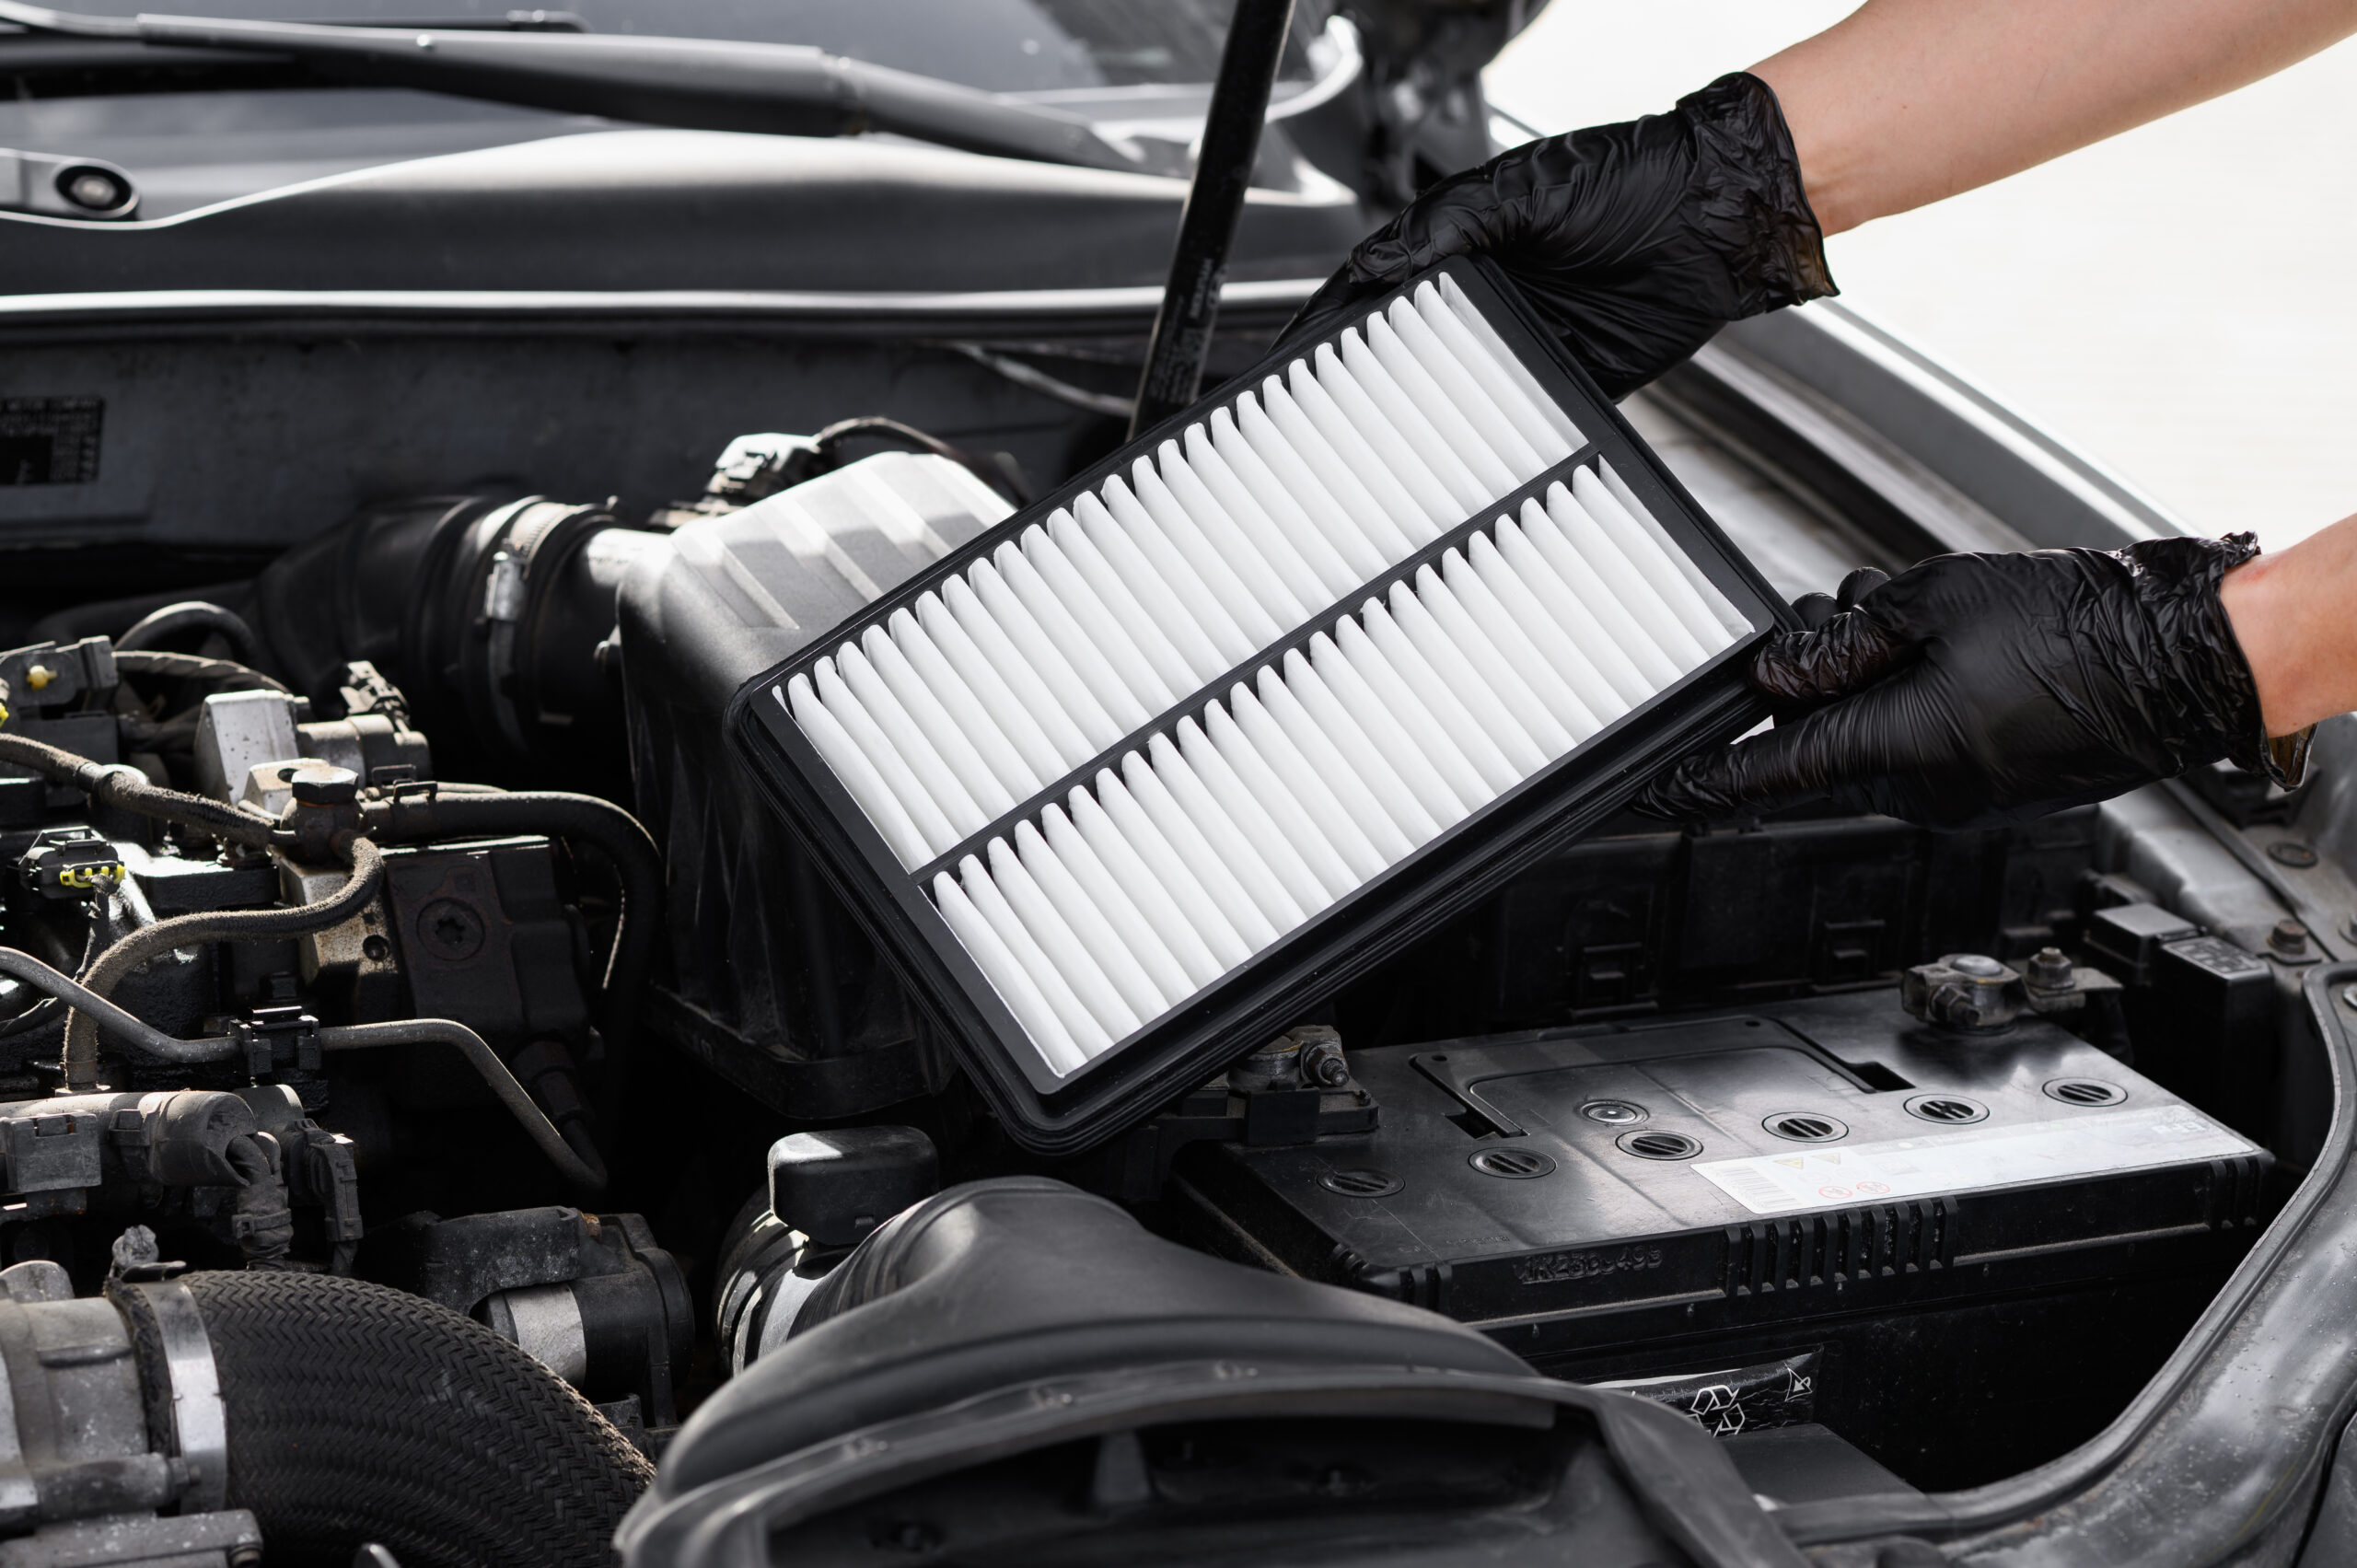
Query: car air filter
(1129,780)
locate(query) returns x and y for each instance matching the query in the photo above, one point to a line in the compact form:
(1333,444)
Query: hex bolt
(2048,969)
(2289,938)
(320,784)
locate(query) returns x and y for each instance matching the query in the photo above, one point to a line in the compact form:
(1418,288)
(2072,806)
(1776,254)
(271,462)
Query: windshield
(1014,46)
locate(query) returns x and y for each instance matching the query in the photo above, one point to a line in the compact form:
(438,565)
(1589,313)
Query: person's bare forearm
(2296,616)
(1906,102)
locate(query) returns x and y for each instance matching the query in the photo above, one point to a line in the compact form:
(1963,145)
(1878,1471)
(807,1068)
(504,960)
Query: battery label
(1973,1157)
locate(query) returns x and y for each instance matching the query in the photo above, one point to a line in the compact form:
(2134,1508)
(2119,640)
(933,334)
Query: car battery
(1699,1195)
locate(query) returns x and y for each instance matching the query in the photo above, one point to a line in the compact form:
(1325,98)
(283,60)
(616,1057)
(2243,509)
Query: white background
(2181,303)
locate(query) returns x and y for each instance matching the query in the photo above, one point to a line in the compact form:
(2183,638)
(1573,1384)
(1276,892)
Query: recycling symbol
(1718,1407)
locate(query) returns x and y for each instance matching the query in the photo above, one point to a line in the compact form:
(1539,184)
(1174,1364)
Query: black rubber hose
(359,1413)
(586,819)
(128,789)
(81,1059)
(47,1010)
(158,626)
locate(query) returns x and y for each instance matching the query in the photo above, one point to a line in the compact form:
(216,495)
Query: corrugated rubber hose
(358,1413)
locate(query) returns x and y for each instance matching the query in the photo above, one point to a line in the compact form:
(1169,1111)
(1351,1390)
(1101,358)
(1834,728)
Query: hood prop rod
(1182,326)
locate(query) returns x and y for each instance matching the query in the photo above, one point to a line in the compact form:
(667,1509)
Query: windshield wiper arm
(697,84)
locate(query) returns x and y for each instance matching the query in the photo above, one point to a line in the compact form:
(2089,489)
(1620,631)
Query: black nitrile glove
(1974,689)
(1636,241)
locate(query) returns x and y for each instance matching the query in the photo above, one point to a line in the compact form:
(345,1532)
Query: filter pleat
(1146,538)
(1160,903)
(859,774)
(1082,1031)
(1361,812)
(1116,935)
(966,708)
(1637,547)
(1723,610)
(905,694)
(1480,653)
(1098,655)
(1405,823)
(1461,436)
(1451,744)
(1255,592)
(1600,557)
(1225,835)
(1019,651)
(1331,474)
(934,799)
(1456,681)
(1465,488)
(1061,946)
(1551,444)
(1162,811)
(1255,532)
(1020,722)
(1391,450)
(1571,574)
(1263,665)
(1417,524)
(1508,361)
(1139,627)
(1007,976)
(1574,721)
(1333,819)
(1280,853)
(1464,391)
(1565,609)
(1353,553)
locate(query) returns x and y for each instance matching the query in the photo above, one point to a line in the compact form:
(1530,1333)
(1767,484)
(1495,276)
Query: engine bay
(1897,1160)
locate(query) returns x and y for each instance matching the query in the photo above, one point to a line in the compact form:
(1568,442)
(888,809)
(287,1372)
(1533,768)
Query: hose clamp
(200,1420)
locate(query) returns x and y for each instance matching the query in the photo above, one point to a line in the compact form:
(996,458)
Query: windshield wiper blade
(696,84)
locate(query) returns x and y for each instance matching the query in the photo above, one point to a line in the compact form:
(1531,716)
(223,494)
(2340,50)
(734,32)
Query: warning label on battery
(1971,1158)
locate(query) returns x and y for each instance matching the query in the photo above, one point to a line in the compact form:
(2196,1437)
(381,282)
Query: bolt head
(323,785)
(2289,937)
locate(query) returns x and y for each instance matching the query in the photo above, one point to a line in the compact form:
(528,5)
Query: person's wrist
(2252,597)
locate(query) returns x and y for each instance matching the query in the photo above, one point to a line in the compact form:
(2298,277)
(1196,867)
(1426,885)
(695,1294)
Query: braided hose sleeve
(81,1061)
(360,1413)
(192,666)
(127,788)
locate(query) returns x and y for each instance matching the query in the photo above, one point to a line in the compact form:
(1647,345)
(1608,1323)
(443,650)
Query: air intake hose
(360,1413)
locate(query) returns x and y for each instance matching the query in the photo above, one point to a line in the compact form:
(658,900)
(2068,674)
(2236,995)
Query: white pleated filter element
(1406,712)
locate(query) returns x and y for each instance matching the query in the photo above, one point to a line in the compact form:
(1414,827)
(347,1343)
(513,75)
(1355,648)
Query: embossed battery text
(1549,1267)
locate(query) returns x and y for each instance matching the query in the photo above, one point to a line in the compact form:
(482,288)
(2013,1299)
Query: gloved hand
(1974,689)
(1635,241)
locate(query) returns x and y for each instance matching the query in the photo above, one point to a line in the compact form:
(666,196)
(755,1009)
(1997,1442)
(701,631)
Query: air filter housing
(1127,782)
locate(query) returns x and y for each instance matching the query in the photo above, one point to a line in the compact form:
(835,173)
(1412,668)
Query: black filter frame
(1443,877)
